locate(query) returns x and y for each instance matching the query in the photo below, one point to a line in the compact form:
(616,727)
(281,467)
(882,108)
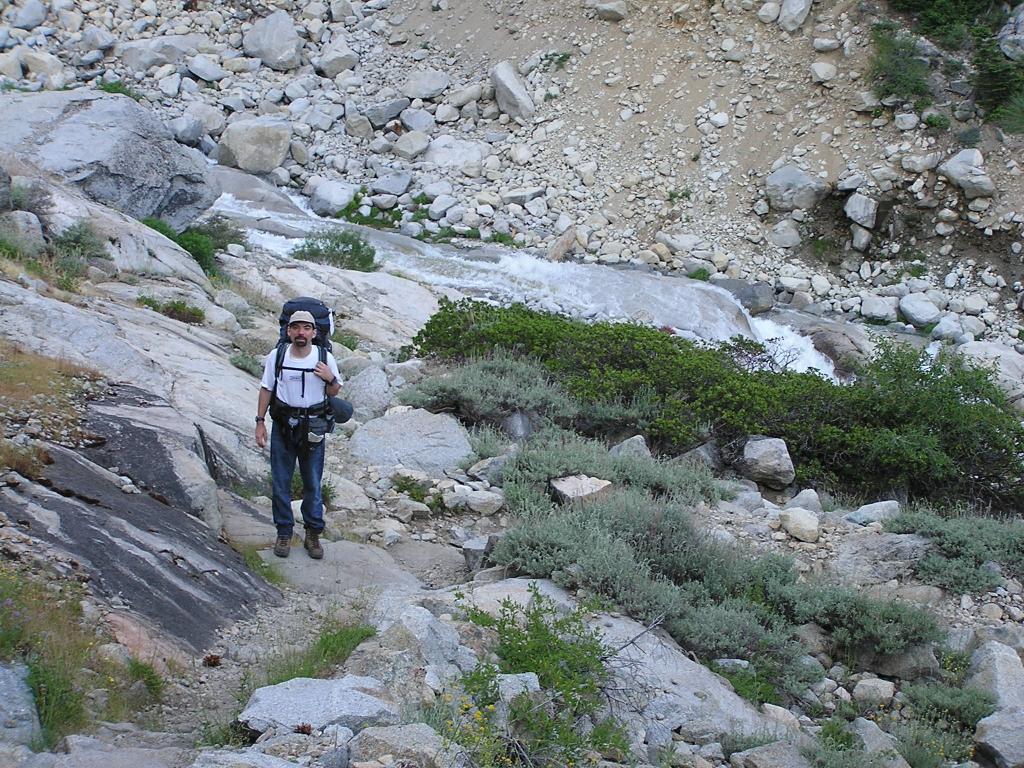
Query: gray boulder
(790,187)
(806,499)
(274,41)
(258,145)
(231,758)
(1011,36)
(801,524)
(997,668)
(1009,365)
(206,68)
(861,209)
(510,92)
(329,197)
(872,513)
(755,297)
(392,184)
(633,446)
(882,308)
(111,148)
(457,154)
(416,744)
(613,10)
(19,723)
(766,460)
(877,742)
(351,701)
(875,558)
(383,112)
(369,392)
(25,229)
(919,310)
(1000,738)
(30,15)
(335,59)
(416,439)
(411,144)
(779,754)
(426,84)
(966,170)
(143,55)
(793,14)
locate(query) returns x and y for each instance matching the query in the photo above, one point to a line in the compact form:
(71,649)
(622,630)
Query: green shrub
(256,564)
(119,87)
(248,363)
(487,442)
(997,79)
(30,197)
(176,309)
(896,68)
(749,684)
(937,122)
(826,754)
(222,232)
(345,250)
(927,746)
(932,427)
(332,646)
(195,240)
(701,274)
(570,661)
(964,545)
(1010,116)
(81,240)
(958,708)
(488,390)
(347,340)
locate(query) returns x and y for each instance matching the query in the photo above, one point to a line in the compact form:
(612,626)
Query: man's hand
(324,372)
(261,435)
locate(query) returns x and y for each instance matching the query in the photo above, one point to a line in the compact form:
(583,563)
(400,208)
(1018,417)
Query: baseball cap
(301,316)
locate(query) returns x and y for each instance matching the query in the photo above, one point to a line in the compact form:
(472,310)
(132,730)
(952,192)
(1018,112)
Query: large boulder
(31,14)
(766,460)
(793,14)
(997,668)
(966,170)
(417,744)
(274,41)
(336,58)
(143,55)
(258,145)
(426,84)
(369,392)
(919,310)
(457,154)
(416,439)
(1011,36)
(510,92)
(1000,738)
(351,701)
(19,723)
(329,197)
(875,558)
(790,187)
(110,147)
(779,754)
(1008,364)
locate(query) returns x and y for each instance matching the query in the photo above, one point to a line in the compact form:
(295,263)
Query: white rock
(793,13)
(801,524)
(823,72)
(510,92)
(274,41)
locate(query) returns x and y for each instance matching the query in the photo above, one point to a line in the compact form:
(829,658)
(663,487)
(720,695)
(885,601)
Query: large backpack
(324,319)
(323,316)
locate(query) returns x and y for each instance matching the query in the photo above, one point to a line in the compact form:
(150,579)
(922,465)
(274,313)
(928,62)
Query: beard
(300,343)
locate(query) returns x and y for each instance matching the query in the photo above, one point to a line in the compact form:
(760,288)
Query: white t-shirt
(290,388)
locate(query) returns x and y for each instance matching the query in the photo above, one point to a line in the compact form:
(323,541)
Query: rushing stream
(692,308)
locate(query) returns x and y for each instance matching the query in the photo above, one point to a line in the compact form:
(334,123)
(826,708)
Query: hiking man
(295,391)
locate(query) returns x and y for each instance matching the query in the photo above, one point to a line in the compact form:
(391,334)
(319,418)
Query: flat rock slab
(239,758)
(352,701)
(415,439)
(346,565)
(18,721)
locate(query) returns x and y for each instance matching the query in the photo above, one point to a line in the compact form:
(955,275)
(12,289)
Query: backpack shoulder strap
(282,347)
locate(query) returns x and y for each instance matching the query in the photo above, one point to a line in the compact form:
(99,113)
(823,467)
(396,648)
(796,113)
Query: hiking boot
(312,545)
(283,546)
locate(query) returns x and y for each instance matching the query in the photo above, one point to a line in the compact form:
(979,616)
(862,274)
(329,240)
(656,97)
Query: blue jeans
(287,445)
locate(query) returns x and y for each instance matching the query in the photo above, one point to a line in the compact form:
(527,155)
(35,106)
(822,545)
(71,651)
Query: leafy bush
(345,250)
(195,240)
(937,122)
(637,547)
(30,197)
(896,68)
(959,708)
(933,427)
(965,545)
(488,390)
(1010,116)
(119,87)
(569,659)
(487,442)
(222,232)
(248,363)
(176,309)
(927,746)
(945,21)
(997,79)
(81,239)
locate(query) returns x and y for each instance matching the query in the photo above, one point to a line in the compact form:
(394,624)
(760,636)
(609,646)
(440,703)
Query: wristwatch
(260,419)
(332,382)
